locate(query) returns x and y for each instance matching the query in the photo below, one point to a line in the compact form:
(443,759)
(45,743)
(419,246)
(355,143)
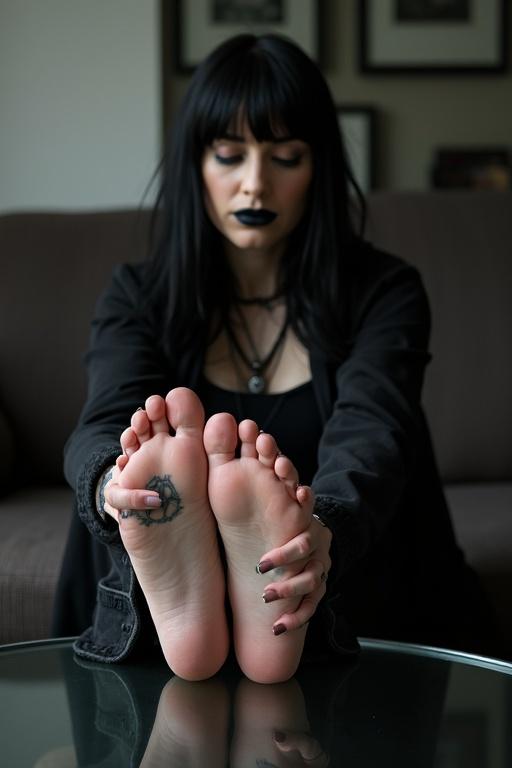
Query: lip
(251,217)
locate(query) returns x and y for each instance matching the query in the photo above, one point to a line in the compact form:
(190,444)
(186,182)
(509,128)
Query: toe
(155,409)
(267,449)
(185,412)
(129,442)
(248,432)
(141,425)
(287,473)
(220,438)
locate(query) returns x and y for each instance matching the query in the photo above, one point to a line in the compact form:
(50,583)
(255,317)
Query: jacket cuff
(106,530)
(345,545)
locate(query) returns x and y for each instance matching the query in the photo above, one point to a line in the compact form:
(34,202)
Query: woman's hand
(312,548)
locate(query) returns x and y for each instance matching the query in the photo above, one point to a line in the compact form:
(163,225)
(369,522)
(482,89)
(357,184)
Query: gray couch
(54,265)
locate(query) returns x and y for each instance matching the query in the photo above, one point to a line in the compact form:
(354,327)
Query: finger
(313,575)
(289,622)
(128,498)
(129,442)
(299,548)
(303,743)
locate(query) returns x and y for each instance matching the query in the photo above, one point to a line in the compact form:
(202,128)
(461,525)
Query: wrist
(105,478)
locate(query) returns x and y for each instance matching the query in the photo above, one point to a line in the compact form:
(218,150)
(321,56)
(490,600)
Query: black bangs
(253,86)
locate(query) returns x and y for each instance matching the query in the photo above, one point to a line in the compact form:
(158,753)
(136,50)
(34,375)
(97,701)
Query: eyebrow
(241,140)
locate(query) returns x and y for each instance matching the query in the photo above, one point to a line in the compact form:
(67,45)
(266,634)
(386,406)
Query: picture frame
(488,168)
(201,25)
(433,36)
(358,127)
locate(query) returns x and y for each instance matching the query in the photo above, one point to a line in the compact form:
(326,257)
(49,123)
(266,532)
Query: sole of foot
(255,513)
(173,549)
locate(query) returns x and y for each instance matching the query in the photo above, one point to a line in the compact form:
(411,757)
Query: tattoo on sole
(170,500)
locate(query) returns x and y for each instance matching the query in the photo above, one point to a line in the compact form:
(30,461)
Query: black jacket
(397,571)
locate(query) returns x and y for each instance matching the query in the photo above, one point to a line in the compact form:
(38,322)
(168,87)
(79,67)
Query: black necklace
(256,383)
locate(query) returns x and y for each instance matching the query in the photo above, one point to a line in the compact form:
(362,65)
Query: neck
(255,272)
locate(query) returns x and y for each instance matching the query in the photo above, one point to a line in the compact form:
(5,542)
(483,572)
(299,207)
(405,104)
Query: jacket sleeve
(367,451)
(124,367)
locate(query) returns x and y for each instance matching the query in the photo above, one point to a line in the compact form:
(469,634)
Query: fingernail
(278,629)
(270,595)
(152,501)
(279,736)
(264,566)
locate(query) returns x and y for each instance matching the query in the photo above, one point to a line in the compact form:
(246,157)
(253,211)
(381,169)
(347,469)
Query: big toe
(220,438)
(185,412)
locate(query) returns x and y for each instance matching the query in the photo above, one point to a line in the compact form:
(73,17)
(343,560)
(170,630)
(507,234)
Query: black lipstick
(255,218)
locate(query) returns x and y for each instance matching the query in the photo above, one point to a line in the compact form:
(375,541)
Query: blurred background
(88,87)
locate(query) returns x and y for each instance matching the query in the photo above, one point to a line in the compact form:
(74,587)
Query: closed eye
(229,160)
(288,162)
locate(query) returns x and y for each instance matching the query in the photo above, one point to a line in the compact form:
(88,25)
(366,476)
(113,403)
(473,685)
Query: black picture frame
(358,125)
(197,31)
(477,44)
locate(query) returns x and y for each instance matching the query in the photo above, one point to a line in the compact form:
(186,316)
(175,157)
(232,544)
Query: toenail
(261,432)
(279,629)
(140,408)
(264,566)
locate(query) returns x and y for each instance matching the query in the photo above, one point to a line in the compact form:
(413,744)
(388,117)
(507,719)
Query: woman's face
(256,193)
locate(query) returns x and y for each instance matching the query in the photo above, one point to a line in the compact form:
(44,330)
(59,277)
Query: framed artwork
(473,168)
(358,126)
(201,25)
(433,36)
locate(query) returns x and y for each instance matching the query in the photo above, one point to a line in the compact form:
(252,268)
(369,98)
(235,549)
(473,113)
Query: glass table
(395,705)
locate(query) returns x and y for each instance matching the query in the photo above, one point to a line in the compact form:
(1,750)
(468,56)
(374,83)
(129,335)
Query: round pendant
(256,384)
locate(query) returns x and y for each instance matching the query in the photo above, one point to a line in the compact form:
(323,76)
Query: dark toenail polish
(279,736)
(264,566)
(270,595)
(279,629)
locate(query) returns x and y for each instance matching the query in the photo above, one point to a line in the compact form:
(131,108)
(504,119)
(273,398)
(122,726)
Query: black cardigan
(397,571)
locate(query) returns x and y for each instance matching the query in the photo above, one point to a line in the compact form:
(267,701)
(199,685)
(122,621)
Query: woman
(264,308)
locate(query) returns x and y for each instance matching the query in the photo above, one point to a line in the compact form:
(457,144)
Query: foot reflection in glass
(271,728)
(191,725)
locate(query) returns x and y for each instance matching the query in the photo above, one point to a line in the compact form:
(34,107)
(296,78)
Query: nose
(254,180)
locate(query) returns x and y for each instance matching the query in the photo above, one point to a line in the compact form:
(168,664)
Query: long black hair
(276,87)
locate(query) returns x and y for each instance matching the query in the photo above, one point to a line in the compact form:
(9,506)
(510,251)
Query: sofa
(54,264)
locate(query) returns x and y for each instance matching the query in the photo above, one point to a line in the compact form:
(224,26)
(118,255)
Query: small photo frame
(358,127)
(201,25)
(433,36)
(473,168)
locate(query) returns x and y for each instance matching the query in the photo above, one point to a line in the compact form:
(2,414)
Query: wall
(416,113)
(80,102)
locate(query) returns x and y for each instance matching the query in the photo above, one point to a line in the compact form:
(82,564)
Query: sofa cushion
(54,265)
(33,531)
(482,518)
(462,244)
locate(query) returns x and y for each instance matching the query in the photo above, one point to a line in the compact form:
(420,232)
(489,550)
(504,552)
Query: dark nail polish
(265,566)
(270,595)
(279,736)
(278,629)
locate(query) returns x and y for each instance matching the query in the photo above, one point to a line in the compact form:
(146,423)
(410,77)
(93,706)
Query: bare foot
(191,726)
(254,501)
(173,549)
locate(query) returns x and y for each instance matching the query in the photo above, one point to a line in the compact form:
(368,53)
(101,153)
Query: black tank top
(291,417)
